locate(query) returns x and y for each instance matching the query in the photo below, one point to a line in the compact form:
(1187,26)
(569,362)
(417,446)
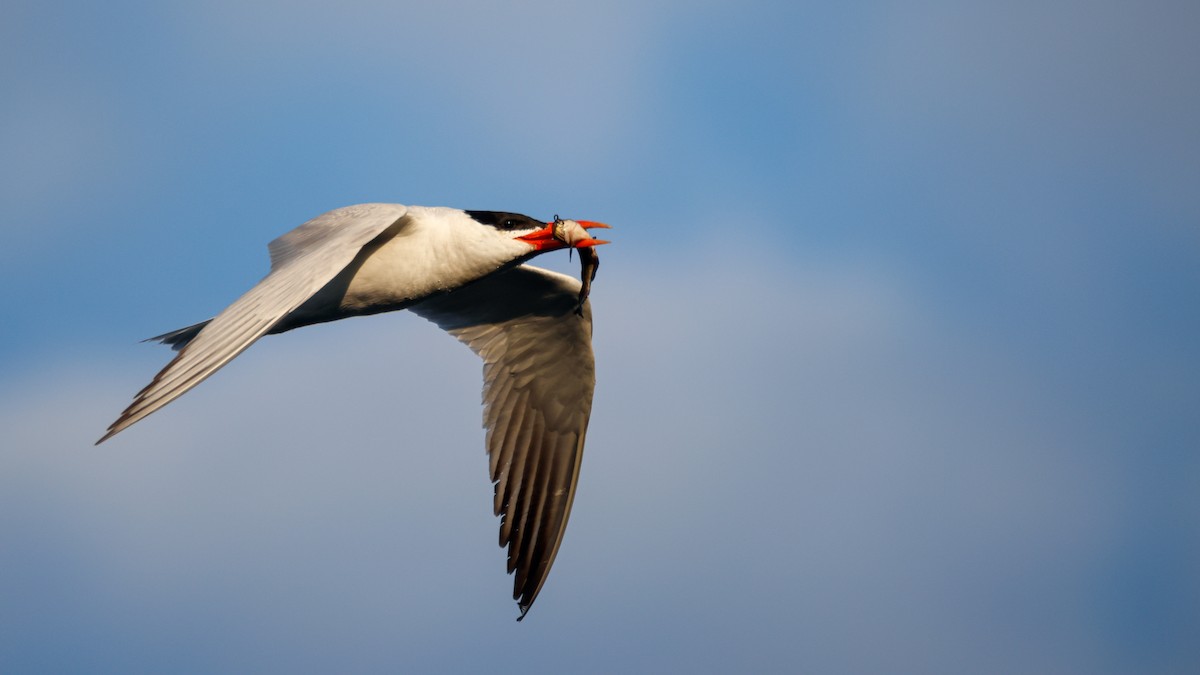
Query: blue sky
(896,342)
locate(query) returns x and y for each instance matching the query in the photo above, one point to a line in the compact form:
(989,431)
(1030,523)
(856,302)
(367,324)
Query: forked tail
(178,339)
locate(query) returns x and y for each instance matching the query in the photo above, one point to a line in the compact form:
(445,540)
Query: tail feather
(178,339)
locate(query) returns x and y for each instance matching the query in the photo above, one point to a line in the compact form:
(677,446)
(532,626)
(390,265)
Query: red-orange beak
(544,239)
(587,225)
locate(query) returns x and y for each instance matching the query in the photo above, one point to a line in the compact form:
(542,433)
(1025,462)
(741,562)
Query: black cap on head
(503,220)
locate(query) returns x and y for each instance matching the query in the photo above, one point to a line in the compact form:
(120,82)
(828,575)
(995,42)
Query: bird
(466,271)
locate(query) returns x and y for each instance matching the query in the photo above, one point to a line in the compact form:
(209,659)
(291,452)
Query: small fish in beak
(573,234)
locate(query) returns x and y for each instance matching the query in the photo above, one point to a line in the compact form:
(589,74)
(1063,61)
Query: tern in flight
(465,271)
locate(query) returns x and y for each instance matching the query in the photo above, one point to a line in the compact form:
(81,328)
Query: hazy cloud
(805,446)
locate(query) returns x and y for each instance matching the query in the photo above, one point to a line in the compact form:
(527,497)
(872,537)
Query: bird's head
(552,236)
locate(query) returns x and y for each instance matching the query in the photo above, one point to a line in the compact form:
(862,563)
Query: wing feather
(302,262)
(539,375)
(520,455)
(521,497)
(512,446)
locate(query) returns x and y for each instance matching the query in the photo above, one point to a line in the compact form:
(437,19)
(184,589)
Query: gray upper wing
(538,374)
(302,262)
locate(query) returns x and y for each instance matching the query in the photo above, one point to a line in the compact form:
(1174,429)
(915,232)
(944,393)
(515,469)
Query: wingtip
(123,422)
(107,435)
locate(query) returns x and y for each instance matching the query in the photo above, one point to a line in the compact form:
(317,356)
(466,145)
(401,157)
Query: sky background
(898,341)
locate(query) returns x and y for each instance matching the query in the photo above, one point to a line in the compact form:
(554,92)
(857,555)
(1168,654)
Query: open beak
(588,224)
(545,239)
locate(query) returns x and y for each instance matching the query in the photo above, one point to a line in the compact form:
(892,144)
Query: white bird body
(462,270)
(439,249)
(439,254)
